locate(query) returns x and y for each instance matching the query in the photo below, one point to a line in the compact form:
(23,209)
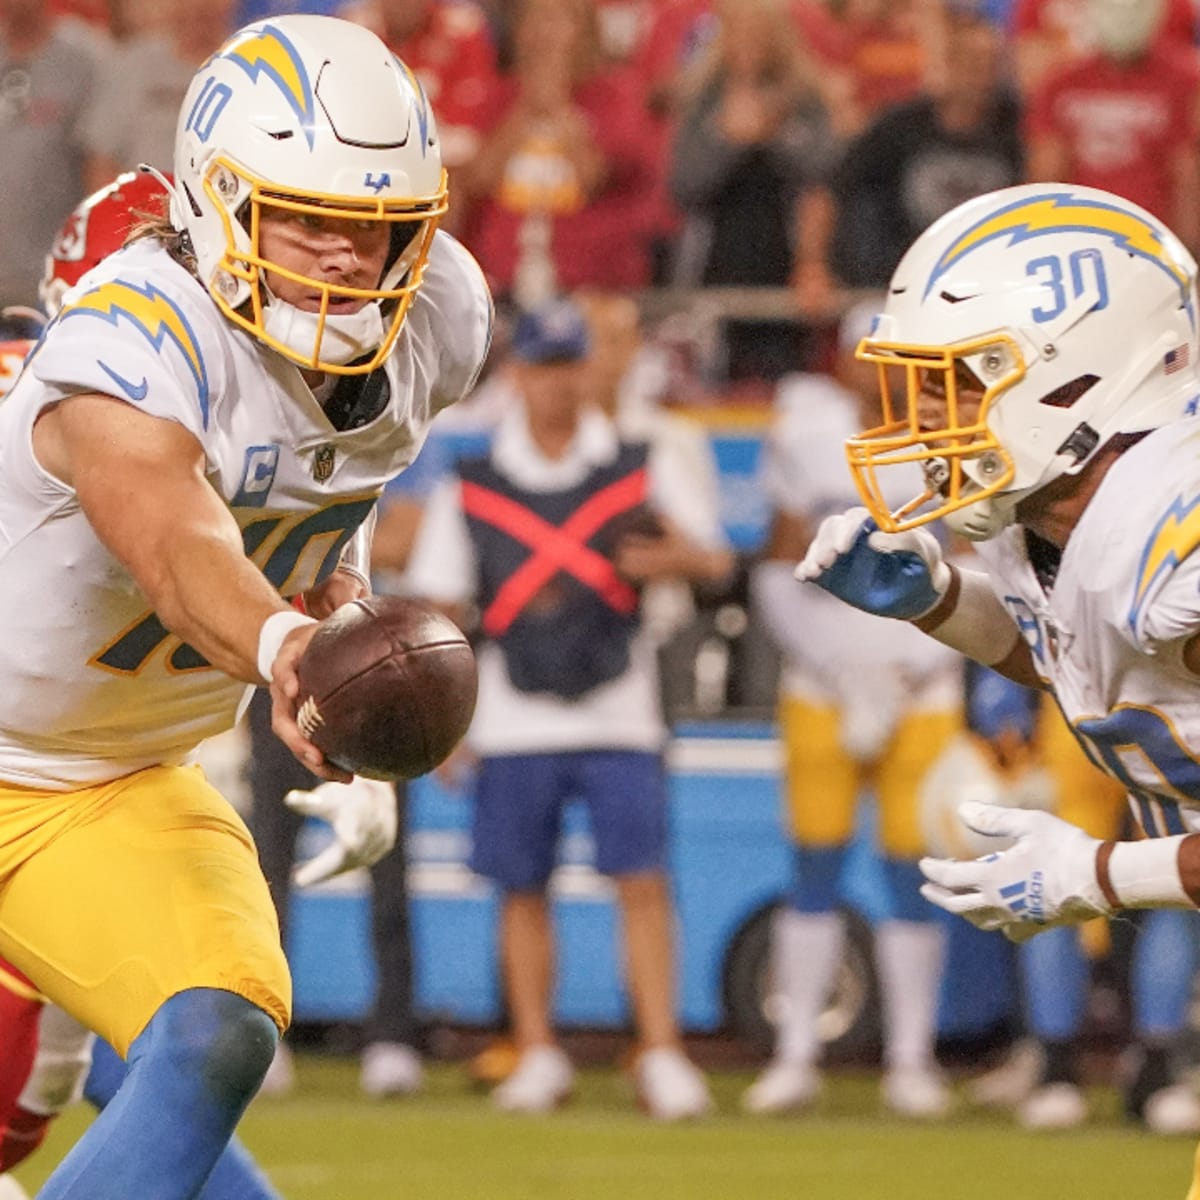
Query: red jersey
(1121,125)
(599,242)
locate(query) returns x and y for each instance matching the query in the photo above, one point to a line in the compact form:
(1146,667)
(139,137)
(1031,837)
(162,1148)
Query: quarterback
(1037,355)
(203,430)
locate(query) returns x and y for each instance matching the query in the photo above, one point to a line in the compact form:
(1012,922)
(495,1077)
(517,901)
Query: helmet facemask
(937,418)
(321,340)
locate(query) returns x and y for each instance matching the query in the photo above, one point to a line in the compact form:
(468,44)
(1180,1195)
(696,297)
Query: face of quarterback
(330,250)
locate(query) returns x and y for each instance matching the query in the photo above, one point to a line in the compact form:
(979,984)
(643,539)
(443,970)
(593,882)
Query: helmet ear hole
(197,211)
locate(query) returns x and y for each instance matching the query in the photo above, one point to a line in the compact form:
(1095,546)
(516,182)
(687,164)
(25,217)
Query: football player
(1046,337)
(206,423)
(45,1054)
(861,709)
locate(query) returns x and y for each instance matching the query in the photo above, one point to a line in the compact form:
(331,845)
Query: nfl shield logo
(323,463)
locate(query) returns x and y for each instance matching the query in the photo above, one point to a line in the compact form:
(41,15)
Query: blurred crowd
(796,146)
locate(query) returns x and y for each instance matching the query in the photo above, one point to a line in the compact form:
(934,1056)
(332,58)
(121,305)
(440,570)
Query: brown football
(387,687)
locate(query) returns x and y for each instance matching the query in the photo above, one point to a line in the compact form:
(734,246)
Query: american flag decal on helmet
(1177,359)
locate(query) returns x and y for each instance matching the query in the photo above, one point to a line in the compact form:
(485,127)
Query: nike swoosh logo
(135,391)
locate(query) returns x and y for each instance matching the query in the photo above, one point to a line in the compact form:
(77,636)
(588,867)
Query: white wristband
(274,629)
(1146,874)
(979,626)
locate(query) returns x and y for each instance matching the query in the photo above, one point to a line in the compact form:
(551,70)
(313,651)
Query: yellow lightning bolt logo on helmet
(152,314)
(268,52)
(1061,212)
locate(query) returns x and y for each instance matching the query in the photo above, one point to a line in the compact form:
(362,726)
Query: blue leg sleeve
(236,1175)
(1054,972)
(1164,961)
(192,1071)
(905,901)
(815,879)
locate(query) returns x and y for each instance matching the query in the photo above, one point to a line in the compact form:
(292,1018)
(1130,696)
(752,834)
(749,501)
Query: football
(387,687)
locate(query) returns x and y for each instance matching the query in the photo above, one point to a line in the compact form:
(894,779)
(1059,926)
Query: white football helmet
(315,116)
(1053,317)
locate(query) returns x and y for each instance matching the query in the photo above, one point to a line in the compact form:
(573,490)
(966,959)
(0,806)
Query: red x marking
(555,547)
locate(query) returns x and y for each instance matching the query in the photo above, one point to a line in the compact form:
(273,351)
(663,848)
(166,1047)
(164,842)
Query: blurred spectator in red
(47,88)
(1048,34)
(748,167)
(563,175)
(448,46)
(142,88)
(873,53)
(920,159)
(1125,118)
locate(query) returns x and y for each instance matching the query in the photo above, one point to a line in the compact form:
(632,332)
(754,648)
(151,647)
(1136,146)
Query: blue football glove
(898,575)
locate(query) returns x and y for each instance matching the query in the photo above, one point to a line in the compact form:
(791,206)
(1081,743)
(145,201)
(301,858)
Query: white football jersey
(1109,636)
(94,686)
(804,474)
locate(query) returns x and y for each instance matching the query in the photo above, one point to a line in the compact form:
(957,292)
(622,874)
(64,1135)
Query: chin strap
(345,336)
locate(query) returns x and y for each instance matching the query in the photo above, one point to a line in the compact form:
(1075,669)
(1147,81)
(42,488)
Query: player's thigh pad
(821,780)
(1084,794)
(918,743)
(626,796)
(132,891)
(518,809)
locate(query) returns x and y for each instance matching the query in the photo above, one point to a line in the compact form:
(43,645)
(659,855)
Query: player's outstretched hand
(363,816)
(1047,877)
(285,691)
(899,575)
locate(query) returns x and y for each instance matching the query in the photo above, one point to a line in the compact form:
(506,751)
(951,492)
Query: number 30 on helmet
(1021,332)
(312,116)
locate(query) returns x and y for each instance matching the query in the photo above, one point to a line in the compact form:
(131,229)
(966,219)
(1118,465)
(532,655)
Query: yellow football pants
(823,782)
(115,897)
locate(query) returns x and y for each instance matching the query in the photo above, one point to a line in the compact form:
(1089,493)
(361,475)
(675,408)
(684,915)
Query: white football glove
(363,816)
(900,575)
(1047,877)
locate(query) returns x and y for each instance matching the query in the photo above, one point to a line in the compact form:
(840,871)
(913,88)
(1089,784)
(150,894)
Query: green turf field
(328,1143)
